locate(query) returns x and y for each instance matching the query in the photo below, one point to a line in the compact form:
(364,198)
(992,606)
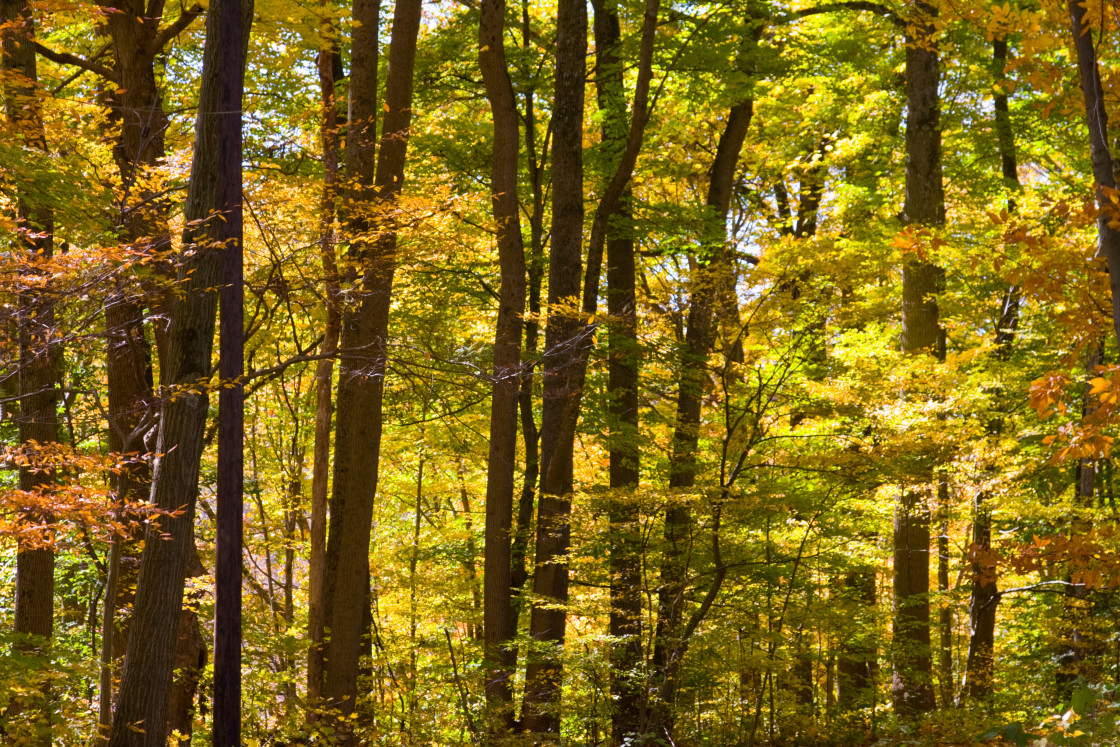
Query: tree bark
(499,618)
(622,391)
(324,371)
(669,644)
(38,422)
(984,597)
(922,280)
(364,339)
(1104,169)
(140,718)
(540,710)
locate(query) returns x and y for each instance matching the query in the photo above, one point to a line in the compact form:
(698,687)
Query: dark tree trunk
(37,375)
(984,598)
(364,338)
(540,712)
(568,339)
(230,57)
(669,644)
(922,280)
(142,706)
(622,391)
(499,619)
(324,371)
(1096,117)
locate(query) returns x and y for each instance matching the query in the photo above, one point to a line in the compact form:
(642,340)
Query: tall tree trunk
(324,371)
(38,375)
(142,706)
(669,644)
(1104,168)
(499,619)
(540,711)
(912,687)
(140,217)
(568,340)
(228,530)
(622,391)
(364,343)
(984,598)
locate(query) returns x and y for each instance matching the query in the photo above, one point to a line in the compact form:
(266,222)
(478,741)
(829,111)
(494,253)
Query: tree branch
(173,29)
(866,5)
(65,58)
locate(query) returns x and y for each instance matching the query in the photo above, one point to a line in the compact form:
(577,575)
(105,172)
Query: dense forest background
(636,373)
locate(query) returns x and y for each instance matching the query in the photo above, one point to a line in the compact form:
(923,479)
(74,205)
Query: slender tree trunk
(140,718)
(984,598)
(540,710)
(622,390)
(669,645)
(912,687)
(230,56)
(945,611)
(364,340)
(38,378)
(324,371)
(1104,169)
(499,619)
(568,340)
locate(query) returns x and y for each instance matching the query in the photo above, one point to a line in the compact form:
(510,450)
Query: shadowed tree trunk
(1104,169)
(330,125)
(922,280)
(142,706)
(670,644)
(499,618)
(37,375)
(622,391)
(364,339)
(540,710)
(984,597)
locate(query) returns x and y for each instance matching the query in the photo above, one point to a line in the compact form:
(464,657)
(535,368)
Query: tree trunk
(1096,117)
(324,371)
(142,707)
(622,391)
(540,711)
(499,619)
(38,375)
(984,598)
(230,56)
(364,343)
(912,687)
(669,645)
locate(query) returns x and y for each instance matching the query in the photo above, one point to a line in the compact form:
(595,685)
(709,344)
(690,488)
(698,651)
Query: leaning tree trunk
(364,349)
(669,643)
(922,280)
(1096,117)
(499,619)
(38,374)
(141,715)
